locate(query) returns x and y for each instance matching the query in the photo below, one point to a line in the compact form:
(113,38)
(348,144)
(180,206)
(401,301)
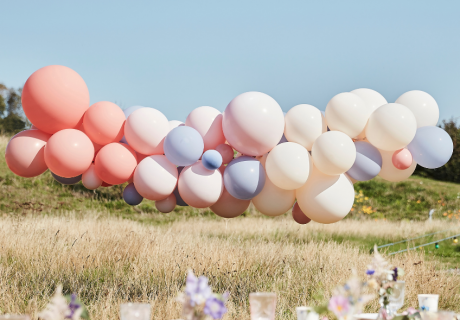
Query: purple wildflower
(215,308)
(395,274)
(73,306)
(370,272)
(197,289)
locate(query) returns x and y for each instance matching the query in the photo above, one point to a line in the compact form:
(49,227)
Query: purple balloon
(244,177)
(66,181)
(179,200)
(368,162)
(131,196)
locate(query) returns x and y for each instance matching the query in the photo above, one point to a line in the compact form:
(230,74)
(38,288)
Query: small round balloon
(244,177)
(104,122)
(432,147)
(90,179)
(166,205)
(212,160)
(299,216)
(131,196)
(226,152)
(273,201)
(389,172)
(402,159)
(66,181)
(208,122)
(115,163)
(183,146)
(422,105)
(368,162)
(228,206)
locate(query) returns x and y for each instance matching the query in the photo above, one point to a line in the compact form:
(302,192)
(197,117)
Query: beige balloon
(166,205)
(273,201)
(351,179)
(288,165)
(391,127)
(333,153)
(423,106)
(389,172)
(373,100)
(304,124)
(228,206)
(348,113)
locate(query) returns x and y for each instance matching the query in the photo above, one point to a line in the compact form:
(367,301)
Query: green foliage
(12,119)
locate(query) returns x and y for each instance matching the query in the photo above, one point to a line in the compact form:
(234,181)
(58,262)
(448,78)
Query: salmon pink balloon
(299,216)
(69,153)
(402,159)
(253,123)
(105,185)
(166,205)
(25,153)
(55,98)
(228,206)
(226,152)
(90,179)
(115,163)
(103,122)
(208,122)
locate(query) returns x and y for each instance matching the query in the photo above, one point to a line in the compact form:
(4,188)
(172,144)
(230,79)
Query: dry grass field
(109,260)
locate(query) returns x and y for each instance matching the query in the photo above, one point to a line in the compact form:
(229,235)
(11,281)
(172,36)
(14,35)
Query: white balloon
(325,198)
(288,165)
(333,153)
(90,179)
(389,172)
(273,201)
(304,124)
(372,99)
(174,124)
(208,122)
(166,205)
(348,113)
(391,127)
(422,105)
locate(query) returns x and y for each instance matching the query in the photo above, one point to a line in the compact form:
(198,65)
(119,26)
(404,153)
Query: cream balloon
(90,179)
(304,124)
(288,165)
(422,105)
(208,122)
(166,205)
(325,198)
(348,113)
(389,172)
(228,206)
(174,124)
(333,153)
(155,177)
(391,127)
(273,201)
(372,99)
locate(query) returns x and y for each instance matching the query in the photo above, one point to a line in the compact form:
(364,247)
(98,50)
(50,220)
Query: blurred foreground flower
(63,307)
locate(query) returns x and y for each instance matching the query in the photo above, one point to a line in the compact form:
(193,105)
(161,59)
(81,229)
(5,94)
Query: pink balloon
(104,122)
(228,206)
(402,159)
(208,122)
(140,157)
(105,184)
(25,153)
(299,216)
(90,179)
(253,123)
(166,205)
(226,152)
(115,163)
(69,153)
(200,187)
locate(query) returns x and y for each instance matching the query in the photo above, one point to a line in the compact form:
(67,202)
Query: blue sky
(179,55)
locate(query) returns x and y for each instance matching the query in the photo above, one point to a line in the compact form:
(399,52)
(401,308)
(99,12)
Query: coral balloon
(166,205)
(367,164)
(304,124)
(389,172)
(90,179)
(333,152)
(299,216)
(226,152)
(402,159)
(66,181)
(104,122)
(228,206)
(131,196)
(391,127)
(244,177)
(208,122)
(115,163)
(253,123)
(25,153)
(273,201)
(155,177)
(422,105)
(55,98)
(372,100)
(288,165)
(69,153)
(325,198)
(145,130)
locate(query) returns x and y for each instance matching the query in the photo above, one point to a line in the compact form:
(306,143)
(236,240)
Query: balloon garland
(304,155)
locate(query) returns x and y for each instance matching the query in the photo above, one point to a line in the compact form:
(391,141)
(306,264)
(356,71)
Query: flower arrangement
(64,307)
(198,300)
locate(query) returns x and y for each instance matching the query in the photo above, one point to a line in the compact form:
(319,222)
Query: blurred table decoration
(428,302)
(306,313)
(135,311)
(64,307)
(14,317)
(262,305)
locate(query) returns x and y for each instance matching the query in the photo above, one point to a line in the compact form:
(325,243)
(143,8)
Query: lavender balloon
(211,160)
(368,162)
(131,196)
(431,147)
(183,146)
(244,177)
(66,181)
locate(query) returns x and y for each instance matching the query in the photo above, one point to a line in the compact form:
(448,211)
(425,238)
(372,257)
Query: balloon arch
(304,155)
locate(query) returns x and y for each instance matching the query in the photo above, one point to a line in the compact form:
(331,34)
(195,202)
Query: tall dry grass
(108,261)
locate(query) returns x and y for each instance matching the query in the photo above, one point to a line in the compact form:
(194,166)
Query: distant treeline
(12,118)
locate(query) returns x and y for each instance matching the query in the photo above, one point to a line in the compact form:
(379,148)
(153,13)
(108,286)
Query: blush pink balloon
(228,206)
(166,205)
(299,216)
(55,98)
(226,152)
(90,179)
(200,187)
(69,153)
(208,122)
(103,122)
(140,157)
(115,163)
(25,153)
(402,159)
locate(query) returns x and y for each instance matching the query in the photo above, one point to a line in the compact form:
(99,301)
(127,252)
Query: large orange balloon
(115,163)
(55,98)
(104,122)
(25,153)
(69,153)
(228,206)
